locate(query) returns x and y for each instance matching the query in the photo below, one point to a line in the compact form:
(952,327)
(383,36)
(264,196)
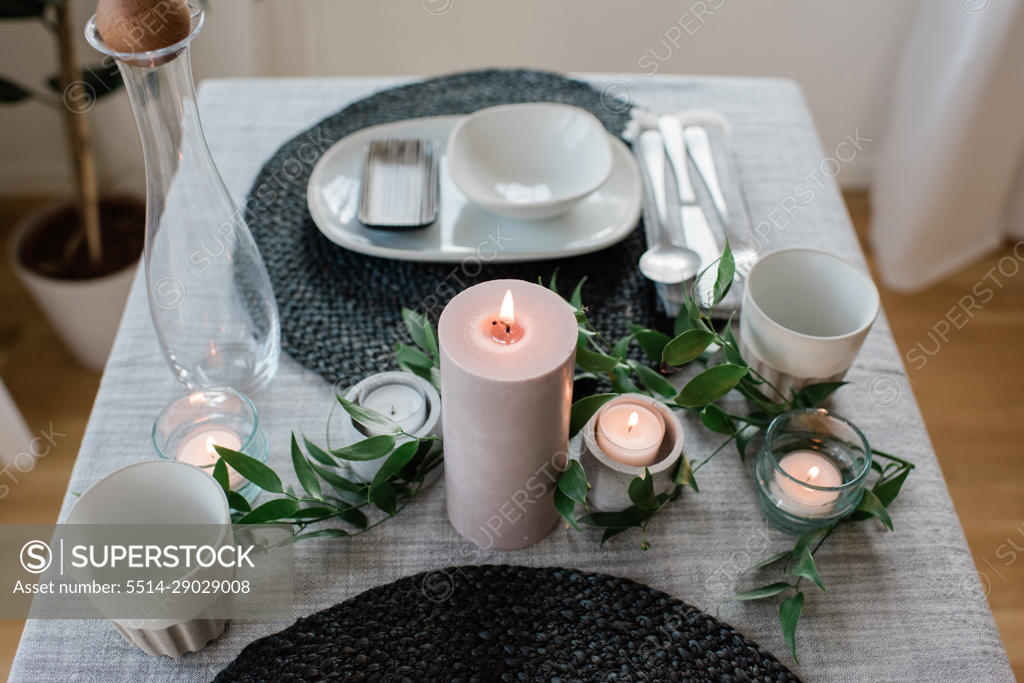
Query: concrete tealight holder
(426,422)
(609,478)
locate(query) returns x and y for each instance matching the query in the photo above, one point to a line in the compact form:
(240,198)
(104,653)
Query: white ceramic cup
(804,316)
(158,492)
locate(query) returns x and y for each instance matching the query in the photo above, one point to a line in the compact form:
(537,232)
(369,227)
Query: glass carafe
(209,294)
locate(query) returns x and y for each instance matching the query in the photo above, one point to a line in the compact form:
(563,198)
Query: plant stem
(713,453)
(79,136)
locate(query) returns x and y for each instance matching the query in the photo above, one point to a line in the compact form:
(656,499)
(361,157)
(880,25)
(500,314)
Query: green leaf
(744,436)
(236,501)
(886,491)
(412,357)
(368,418)
(686,347)
(566,507)
(385,498)
(611,532)
(684,474)
(624,519)
(748,388)
(278,508)
(594,361)
(767,561)
(761,592)
(717,420)
(621,383)
(319,454)
(726,273)
(805,567)
(553,285)
(381,493)
(688,317)
(810,538)
(11,92)
(367,449)
(252,469)
(789,614)
(337,481)
(584,409)
(653,380)
(421,331)
(871,505)
(652,343)
(576,300)
(303,472)
(573,482)
(620,348)
(731,348)
(641,491)
(355,517)
(220,475)
(813,394)
(314,512)
(710,385)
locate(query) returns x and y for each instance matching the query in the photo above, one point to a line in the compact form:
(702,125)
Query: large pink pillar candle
(508,352)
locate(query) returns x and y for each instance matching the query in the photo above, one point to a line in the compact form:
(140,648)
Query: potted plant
(77,257)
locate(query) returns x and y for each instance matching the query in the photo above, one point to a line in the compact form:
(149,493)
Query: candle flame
(813,473)
(508,310)
(210,446)
(634,418)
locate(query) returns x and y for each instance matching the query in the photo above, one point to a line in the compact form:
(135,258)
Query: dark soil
(123,226)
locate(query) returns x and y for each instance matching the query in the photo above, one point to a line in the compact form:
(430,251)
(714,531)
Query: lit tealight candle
(198,449)
(405,405)
(630,433)
(810,467)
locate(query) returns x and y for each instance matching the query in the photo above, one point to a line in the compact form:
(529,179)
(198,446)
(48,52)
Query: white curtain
(949,185)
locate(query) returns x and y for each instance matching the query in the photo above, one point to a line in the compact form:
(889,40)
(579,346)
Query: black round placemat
(341,310)
(505,623)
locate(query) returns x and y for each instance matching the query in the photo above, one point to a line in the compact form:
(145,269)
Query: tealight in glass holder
(188,429)
(810,470)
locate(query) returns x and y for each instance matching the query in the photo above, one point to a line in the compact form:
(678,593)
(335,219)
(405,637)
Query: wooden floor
(969,392)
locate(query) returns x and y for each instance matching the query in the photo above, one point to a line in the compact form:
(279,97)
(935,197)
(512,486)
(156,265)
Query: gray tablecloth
(903,605)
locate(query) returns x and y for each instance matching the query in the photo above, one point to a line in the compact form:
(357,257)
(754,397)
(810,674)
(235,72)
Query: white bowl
(529,160)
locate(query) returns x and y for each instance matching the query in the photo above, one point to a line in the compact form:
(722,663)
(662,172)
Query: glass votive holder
(188,429)
(810,470)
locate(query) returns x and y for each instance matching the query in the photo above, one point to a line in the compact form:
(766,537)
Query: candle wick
(392,410)
(508,329)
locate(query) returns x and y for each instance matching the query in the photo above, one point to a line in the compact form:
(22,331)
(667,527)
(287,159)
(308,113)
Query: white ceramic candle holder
(159,492)
(609,478)
(431,425)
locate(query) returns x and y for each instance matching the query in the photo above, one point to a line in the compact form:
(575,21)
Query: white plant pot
(84,313)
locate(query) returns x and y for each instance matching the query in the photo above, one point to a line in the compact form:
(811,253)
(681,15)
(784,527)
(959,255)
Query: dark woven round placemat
(341,310)
(505,623)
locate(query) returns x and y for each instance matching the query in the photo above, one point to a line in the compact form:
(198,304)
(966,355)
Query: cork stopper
(142,25)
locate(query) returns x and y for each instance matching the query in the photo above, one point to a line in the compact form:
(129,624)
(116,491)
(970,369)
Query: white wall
(842,52)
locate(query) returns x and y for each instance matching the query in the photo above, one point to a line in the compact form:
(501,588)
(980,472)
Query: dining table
(900,605)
